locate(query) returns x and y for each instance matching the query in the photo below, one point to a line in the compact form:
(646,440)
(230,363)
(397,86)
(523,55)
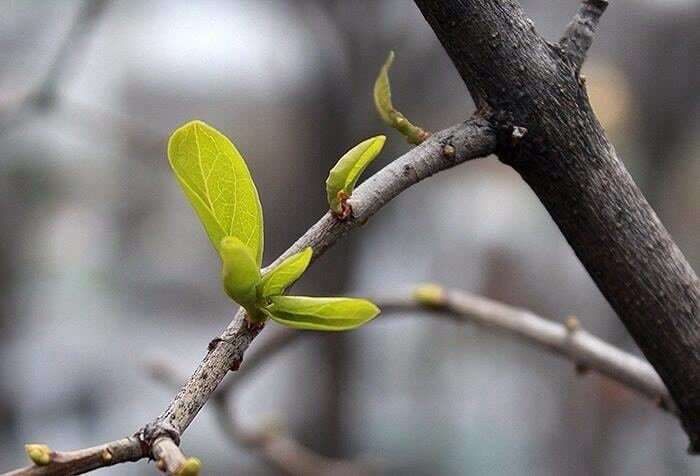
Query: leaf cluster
(219,186)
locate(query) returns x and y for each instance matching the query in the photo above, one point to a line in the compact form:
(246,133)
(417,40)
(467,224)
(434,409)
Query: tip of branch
(190,467)
(430,295)
(572,324)
(39,454)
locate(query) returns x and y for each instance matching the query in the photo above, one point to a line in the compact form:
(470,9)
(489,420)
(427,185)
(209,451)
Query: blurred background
(104,267)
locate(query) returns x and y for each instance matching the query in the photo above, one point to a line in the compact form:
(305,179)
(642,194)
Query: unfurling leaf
(217,183)
(285,274)
(382,92)
(344,175)
(321,314)
(240,272)
(387,111)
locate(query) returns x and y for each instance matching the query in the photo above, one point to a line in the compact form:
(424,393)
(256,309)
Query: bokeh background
(104,267)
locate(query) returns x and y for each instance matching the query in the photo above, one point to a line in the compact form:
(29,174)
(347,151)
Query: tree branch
(279,451)
(44,94)
(523,83)
(82,461)
(578,36)
(566,340)
(470,140)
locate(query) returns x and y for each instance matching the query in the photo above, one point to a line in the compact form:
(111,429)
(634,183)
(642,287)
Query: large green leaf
(344,175)
(282,276)
(217,183)
(240,272)
(321,314)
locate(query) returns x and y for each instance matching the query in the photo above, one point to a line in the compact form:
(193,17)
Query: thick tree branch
(578,36)
(525,84)
(445,149)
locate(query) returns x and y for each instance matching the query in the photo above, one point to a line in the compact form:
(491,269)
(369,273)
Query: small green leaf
(240,272)
(387,111)
(285,274)
(321,314)
(216,180)
(382,92)
(343,177)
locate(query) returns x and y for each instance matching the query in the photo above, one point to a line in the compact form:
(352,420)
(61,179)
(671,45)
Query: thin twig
(88,459)
(470,140)
(278,450)
(568,340)
(578,36)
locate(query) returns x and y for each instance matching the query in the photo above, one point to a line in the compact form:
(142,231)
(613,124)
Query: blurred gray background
(103,266)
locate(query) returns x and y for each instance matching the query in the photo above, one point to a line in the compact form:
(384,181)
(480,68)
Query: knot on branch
(154,430)
(345,207)
(238,340)
(512,138)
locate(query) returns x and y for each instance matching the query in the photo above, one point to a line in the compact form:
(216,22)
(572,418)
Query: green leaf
(240,272)
(387,111)
(343,177)
(382,92)
(285,274)
(321,314)
(217,183)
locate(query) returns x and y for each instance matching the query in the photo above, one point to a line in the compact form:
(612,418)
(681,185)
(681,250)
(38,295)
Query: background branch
(44,95)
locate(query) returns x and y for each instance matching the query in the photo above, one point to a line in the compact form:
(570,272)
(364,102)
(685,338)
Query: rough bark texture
(519,80)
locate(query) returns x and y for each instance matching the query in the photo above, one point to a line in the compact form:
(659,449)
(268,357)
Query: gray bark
(521,81)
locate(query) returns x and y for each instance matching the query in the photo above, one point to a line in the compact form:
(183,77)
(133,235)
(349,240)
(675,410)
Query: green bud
(240,271)
(39,454)
(190,467)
